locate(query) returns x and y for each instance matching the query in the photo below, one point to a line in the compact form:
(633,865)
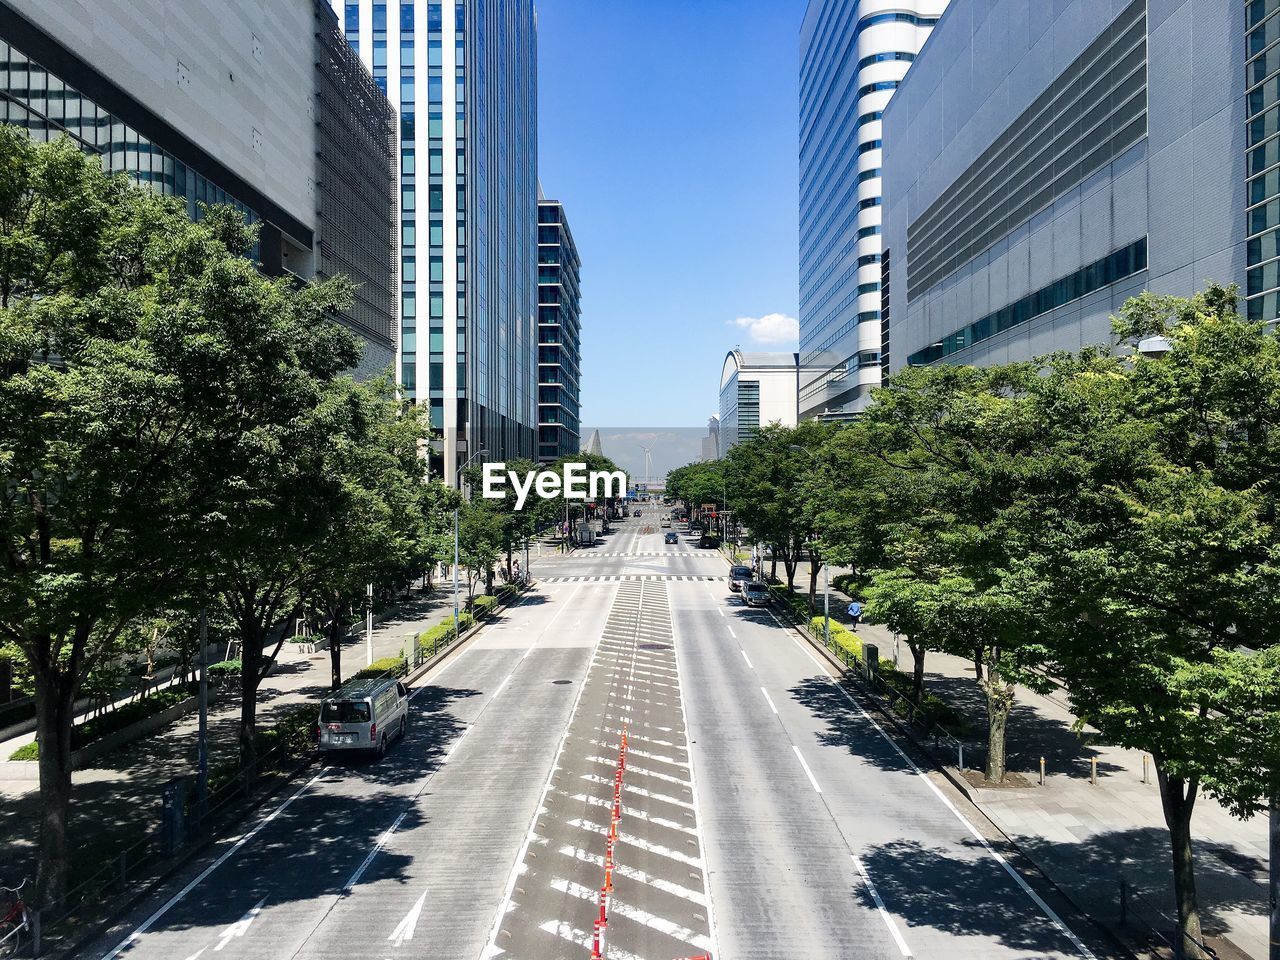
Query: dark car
(738,576)
(756,594)
(671,537)
(708,542)
(636,513)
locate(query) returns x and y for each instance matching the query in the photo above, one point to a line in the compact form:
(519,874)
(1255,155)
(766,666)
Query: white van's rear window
(344,711)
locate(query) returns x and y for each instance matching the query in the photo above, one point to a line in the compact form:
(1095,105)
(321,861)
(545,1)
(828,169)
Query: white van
(364,715)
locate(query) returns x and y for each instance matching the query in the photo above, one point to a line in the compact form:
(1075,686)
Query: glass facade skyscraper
(559,334)
(852,57)
(468,212)
(1262,163)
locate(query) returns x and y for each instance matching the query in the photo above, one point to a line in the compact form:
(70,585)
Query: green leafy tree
(374,529)
(131,341)
(1157,574)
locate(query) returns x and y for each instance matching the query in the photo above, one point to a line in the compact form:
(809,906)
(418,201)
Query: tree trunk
(917,671)
(999,703)
(55,712)
(251,644)
(335,648)
(1178,798)
(773,560)
(978,654)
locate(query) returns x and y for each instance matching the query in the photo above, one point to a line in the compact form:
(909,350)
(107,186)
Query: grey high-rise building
(225,104)
(463,77)
(1044,164)
(559,334)
(853,54)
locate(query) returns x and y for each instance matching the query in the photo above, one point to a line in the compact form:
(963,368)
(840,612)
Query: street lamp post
(826,568)
(368,627)
(458,478)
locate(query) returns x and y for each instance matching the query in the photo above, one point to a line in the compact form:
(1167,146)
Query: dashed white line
(884,914)
(731,633)
(807,772)
(748,659)
(1039,901)
(770,699)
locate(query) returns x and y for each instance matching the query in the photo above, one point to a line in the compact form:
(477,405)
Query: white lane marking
(504,681)
(636,915)
(639,876)
(770,699)
(731,633)
(453,746)
(404,929)
(377,847)
(241,926)
(657,849)
(566,931)
(640,736)
(720,610)
(198,954)
(641,791)
(181,894)
(1048,911)
(807,771)
(884,914)
(748,659)
(507,903)
(635,751)
(635,814)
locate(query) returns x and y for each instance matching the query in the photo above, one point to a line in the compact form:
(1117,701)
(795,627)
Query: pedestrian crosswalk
(652,553)
(630,577)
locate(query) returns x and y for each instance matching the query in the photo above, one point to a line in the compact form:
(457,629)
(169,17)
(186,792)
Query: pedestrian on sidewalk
(855,612)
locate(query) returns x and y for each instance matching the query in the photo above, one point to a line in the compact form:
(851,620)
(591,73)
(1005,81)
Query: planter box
(84,757)
(314,645)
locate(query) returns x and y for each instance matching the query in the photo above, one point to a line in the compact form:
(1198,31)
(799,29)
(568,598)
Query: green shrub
(848,583)
(503,591)
(224,669)
(387,666)
(29,751)
(484,605)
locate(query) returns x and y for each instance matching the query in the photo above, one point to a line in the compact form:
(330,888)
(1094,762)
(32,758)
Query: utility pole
(1273,879)
(202,748)
(368,627)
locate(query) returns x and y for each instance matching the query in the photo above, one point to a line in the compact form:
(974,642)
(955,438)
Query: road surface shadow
(963,891)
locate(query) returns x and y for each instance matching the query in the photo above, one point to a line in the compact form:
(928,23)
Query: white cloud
(773,328)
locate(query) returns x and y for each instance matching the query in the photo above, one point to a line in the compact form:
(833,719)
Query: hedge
(848,583)
(841,636)
(223,669)
(484,605)
(105,724)
(393,666)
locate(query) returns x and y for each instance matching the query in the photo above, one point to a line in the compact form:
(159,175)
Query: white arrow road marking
(404,929)
(241,926)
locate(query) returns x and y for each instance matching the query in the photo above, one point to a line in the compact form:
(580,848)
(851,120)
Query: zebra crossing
(658,905)
(653,553)
(630,578)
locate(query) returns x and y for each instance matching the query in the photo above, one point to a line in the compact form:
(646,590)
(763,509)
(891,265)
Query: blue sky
(668,130)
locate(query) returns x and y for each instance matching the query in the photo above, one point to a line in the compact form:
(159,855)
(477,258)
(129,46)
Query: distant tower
(711,442)
(593,445)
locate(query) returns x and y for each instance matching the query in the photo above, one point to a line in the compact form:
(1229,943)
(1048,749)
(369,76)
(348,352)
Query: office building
(225,104)
(559,334)
(1042,166)
(853,55)
(755,389)
(463,77)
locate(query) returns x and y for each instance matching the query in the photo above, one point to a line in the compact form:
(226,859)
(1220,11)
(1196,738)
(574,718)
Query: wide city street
(764,812)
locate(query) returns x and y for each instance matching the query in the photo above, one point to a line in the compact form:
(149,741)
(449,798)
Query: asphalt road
(764,814)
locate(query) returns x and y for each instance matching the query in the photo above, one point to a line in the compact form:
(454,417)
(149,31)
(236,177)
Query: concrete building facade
(221,103)
(853,55)
(462,76)
(756,389)
(1045,164)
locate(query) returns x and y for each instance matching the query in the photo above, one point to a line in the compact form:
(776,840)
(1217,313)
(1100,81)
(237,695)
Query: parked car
(738,576)
(364,715)
(708,542)
(756,594)
(671,537)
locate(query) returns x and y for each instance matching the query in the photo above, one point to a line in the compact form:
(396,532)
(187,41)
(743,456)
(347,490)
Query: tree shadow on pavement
(963,891)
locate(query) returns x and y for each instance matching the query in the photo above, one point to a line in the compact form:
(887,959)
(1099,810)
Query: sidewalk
(1086,838)
(112,803)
